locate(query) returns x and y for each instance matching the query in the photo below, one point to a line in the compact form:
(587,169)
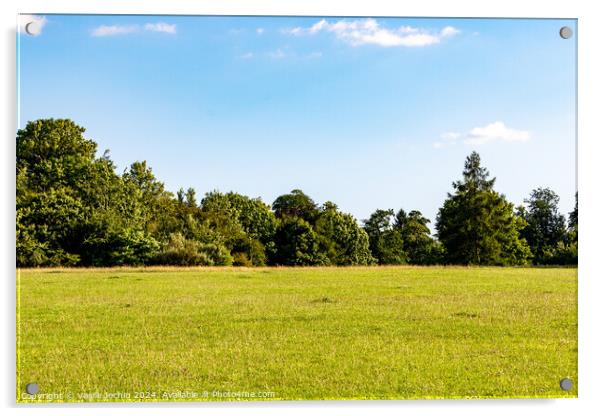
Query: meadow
(163,334)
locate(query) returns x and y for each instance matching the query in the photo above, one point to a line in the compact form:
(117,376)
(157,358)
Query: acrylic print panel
(295,208)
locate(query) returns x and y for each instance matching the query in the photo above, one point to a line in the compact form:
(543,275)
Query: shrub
(179,251)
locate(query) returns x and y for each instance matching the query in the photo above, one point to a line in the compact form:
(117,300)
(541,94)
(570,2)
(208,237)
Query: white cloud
(25,19)
(492,132)
(160,27)
(287,53)
(369,32)
(448,31)
(114,30)
(260,30)
(495,131)
(248,55)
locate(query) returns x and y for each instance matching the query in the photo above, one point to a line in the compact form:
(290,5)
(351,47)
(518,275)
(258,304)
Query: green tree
(545,226)
(45,228)
(72,208)
(385,241)
(573,221)
(296,204)
(53,154)
(296,244)
(476,225)
(418,244)
(54,161)
(342,240)
(255,217)
(240,223)
(149,196)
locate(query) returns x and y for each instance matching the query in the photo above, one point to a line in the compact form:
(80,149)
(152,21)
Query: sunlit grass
(288,334)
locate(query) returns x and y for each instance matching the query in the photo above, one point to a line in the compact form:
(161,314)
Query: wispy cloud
(492,132)
(370,32)
(286,53)
(115,30)
(248,55)
(160,27)
(25,19)
(260,30)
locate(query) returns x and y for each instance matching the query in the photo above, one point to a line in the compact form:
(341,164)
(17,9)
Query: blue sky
(368,113)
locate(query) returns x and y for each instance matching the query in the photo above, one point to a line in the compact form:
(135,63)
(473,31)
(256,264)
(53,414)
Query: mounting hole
(566,32)
(32,388)
(33,28)
(566,384)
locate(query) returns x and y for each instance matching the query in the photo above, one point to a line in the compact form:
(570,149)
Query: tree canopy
(476,225)
(74,209)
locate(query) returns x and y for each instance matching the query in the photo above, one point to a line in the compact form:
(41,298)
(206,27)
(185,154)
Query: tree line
(74,209)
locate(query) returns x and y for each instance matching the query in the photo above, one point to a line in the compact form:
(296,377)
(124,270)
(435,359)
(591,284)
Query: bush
(241,259)
(179,251)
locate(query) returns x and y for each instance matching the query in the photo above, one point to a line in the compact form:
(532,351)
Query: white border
(590,174)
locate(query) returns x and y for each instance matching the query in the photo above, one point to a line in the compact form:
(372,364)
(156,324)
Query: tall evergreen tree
(476,225)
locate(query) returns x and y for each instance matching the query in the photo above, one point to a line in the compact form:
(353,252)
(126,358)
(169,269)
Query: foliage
(545,226)
(54,154)
(295,204)
(419,246)
(180,251)
(297,244)
(341,238)
(255,217)
(386,241)
(74,209)
(573,220)
(476,225)
(241,223)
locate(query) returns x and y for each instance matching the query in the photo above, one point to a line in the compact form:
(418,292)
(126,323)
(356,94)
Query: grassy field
(288,334)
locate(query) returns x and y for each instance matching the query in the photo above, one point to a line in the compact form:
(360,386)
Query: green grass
(306,333)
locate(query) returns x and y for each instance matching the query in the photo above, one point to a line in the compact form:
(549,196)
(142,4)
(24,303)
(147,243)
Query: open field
(304,333)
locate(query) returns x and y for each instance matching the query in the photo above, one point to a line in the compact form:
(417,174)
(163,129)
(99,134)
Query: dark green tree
(72,208)
(296,244)
(45,228)
(477,225)
(342,240)
(295,204)
(545,226)
(53,154)
(418,244)
(385,241)
(255,217)
(573,220)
